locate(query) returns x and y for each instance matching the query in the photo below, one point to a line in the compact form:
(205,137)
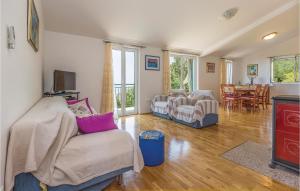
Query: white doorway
(125,79)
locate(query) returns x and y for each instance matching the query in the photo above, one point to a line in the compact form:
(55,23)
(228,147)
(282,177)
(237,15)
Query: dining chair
(252,100)
(225,91)
(263,98)
(230,96)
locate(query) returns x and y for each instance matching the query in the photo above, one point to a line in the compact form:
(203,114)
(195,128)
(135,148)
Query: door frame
(123,50)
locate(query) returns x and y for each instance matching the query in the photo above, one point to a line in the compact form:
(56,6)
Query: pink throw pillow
(96,123)
(84,100)
(71,102)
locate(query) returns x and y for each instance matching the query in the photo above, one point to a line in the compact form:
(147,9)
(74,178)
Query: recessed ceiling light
(269,36)
(228,14)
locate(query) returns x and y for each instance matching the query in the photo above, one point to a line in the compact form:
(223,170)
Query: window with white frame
(183,72)
(228,71)
(285,69)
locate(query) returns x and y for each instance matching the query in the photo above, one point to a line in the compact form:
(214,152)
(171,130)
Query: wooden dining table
(250,89)
(245,88)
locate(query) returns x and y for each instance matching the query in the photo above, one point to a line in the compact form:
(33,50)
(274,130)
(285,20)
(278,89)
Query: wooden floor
(193,156)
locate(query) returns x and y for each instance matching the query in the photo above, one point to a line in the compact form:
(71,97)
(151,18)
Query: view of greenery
(181,73)
(285,69)
(130,98)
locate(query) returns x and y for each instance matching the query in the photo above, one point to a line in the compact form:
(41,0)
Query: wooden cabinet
(286,121)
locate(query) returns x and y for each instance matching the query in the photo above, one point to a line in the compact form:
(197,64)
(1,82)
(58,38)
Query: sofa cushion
(92,155)
(80,107)
(96,123)
(188,109)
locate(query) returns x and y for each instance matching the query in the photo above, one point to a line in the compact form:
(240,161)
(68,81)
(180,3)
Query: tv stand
(67,95)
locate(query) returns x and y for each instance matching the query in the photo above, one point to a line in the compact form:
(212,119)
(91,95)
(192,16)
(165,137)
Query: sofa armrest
(160,98)
(164,98)
(207,106)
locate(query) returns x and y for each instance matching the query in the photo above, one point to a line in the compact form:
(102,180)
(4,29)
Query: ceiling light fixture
(269,36)
(228,14)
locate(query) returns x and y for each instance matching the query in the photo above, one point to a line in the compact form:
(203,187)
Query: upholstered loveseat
(200,109)
(161,105)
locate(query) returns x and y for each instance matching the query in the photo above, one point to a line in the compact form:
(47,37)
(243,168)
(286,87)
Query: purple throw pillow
(96,123)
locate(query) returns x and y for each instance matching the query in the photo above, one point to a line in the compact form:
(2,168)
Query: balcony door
(125,79)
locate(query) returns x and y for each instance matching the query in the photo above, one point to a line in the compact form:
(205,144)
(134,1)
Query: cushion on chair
(188,109)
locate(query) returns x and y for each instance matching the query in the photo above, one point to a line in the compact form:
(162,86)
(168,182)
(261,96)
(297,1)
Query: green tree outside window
(181,73)
(285,69)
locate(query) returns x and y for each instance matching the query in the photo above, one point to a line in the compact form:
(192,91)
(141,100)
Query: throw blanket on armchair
(39,141)
(191,110)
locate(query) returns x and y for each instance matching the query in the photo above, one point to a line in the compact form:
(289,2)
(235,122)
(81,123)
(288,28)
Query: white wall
(209,81)
(261,57)
(85,56)
(21,75)
(150,82)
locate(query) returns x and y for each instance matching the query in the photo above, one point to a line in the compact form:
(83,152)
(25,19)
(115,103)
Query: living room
(202,74)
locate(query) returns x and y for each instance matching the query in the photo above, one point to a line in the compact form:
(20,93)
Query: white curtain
(166,73)
(228,72)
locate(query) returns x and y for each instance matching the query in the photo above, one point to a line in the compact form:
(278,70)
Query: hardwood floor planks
(193,157)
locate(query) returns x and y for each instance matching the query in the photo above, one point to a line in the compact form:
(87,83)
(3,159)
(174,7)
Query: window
(183,72)
(228,71)
(285,69)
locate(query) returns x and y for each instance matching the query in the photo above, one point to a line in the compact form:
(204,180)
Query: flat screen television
(64,80)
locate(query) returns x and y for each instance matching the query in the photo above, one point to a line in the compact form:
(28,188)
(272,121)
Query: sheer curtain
(223,72)
(228,72)
(166,72)
(223,75)
(107,99)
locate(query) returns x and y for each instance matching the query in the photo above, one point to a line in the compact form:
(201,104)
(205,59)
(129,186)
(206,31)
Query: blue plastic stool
(152,144)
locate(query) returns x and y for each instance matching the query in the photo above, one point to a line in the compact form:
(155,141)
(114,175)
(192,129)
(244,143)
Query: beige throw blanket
(39,143)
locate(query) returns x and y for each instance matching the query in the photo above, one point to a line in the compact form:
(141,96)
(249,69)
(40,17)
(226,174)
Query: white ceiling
(285,24)
(191,25)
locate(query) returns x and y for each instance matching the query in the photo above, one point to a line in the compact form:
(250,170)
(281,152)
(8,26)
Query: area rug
(257,157)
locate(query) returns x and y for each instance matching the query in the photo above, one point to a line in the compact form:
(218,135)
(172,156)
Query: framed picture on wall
(252,70)
(33,25)
(152,62)
(210,67)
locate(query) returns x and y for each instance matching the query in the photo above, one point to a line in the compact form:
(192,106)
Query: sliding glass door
(125,79)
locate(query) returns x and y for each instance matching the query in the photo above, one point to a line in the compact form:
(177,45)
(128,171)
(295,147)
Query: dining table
(249,89)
